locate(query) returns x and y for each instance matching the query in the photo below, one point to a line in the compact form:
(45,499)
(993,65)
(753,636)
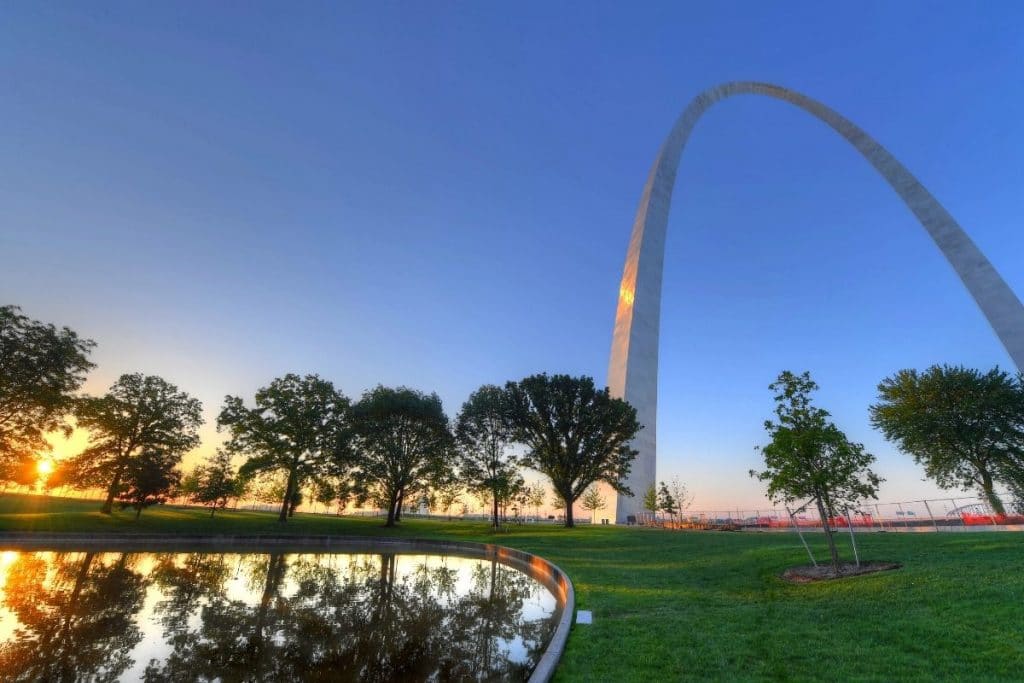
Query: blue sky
(440,195)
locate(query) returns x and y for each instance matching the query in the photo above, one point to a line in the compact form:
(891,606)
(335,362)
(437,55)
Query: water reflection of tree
(361,622)
(78,623)
(186,581)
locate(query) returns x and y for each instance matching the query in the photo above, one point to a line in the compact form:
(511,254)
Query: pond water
(172,616)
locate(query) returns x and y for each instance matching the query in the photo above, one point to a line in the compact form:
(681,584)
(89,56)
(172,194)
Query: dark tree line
(393,446)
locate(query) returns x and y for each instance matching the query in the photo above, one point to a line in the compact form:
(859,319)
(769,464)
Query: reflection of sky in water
(518,613)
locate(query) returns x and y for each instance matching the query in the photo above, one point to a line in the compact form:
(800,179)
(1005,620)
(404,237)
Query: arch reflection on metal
(633,366)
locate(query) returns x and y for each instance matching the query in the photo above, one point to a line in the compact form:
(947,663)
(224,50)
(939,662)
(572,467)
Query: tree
(593,500)
(964,426)
(666,501)
(139,414)
(149,480)
(448,495)
(809,457)
(575,434)
(403,442)
(41,368)
(536,496)
(215,483)
(681,494)
(299,427)
(484,432)
(333,491)
(651,503)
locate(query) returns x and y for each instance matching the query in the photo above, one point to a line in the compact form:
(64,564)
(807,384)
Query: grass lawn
(670,605)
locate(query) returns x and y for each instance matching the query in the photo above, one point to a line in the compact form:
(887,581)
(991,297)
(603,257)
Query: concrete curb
(546,573)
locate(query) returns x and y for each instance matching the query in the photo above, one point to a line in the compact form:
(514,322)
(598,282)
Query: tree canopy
(149,479)
(300,427)
(403,442)
(140,413)
(966,427)
(41,368)
(484,432)
(575,433)
(215,482)
(809,458)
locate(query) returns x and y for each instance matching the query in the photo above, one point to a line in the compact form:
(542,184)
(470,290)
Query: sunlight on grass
(699,605)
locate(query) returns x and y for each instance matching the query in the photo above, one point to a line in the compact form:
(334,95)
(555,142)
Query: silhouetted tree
(140,414)
(215,482)
(484,433)
(575,434)
(148,480)
(403,442)
(299,427)
(41,367)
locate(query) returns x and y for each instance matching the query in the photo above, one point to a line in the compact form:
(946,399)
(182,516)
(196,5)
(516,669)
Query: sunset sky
(440,195)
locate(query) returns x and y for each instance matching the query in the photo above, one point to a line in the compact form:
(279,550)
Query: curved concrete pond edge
(546,573)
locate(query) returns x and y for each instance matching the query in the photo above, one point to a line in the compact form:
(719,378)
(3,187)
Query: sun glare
(44,467)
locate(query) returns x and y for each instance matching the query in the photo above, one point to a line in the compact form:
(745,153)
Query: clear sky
(440,195)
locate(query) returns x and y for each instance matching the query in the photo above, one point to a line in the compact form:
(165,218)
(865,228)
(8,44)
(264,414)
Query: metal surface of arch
(633,366)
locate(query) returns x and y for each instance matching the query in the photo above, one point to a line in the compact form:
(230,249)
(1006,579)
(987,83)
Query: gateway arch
(633,366)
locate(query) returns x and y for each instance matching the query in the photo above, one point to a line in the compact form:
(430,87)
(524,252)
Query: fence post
(929,509)
(801,535)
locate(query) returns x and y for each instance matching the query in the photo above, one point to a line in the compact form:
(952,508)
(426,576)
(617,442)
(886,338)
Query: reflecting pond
(173,616)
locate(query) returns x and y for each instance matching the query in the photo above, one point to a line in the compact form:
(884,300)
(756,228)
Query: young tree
(299,427)
(965,427)
(810,458)
(651,503)
(536,496)
(484,432)
(575,434)
(403,441)
(681,494)
(149,479)
(41,368)
(333,491)
(140,413)
(449,494)
(214,483)
(667,502)
(593,500)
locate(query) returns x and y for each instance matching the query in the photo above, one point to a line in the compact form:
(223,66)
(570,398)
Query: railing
(937,514)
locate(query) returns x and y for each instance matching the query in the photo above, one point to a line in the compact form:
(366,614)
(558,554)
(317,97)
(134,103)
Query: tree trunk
(138,512)
(398,505)
(115,484)
(213,509)
(568,512)
(990,494)
(391,510)
(494,498)
(828,537)
(283,516)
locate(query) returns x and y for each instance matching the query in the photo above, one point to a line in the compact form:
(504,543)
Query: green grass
(708,605)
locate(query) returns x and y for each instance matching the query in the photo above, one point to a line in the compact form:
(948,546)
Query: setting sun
(44,467)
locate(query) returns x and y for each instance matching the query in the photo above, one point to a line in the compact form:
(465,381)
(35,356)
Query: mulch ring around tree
(824,572)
